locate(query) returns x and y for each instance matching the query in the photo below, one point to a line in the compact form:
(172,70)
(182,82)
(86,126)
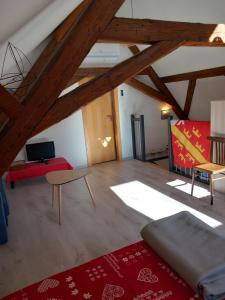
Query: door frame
(116,127)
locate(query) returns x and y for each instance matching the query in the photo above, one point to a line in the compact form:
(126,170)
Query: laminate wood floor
(38,247)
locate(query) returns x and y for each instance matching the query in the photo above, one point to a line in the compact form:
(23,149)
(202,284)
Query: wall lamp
(165,114)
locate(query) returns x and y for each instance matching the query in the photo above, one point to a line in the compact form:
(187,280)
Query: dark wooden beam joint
(162,87)
(147,90)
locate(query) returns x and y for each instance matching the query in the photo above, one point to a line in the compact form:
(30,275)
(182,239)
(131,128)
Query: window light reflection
(155,204)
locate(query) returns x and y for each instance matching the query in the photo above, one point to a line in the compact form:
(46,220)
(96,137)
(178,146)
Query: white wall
(134,102)
(218,118)
(68,137)
(207,90)
(218,129)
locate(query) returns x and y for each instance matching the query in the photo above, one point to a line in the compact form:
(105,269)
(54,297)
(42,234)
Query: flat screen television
(40,151)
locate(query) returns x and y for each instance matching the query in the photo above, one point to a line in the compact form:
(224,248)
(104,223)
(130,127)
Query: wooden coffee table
(58,178)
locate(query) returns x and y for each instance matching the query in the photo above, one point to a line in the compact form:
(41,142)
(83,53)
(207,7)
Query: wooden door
(98,120)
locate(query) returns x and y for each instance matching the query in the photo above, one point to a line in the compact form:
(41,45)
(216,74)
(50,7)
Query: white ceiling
(14,14)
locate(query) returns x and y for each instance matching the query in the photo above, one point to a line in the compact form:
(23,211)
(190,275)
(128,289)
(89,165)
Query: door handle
(110,117)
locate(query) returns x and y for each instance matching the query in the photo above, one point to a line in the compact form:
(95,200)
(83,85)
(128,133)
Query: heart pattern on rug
(47,284)
(146,275)
(111,292)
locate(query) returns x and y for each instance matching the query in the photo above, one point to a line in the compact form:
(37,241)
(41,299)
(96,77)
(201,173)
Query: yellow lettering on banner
(190,148)
(196,132)
(187,133)
(200,147)
(190,157)
(179,145)
(182,157)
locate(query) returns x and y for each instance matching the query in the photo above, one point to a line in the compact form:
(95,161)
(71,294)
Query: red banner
(190,144)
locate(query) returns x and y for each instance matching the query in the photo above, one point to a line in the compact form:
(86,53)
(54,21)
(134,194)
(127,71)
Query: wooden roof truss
(34,108)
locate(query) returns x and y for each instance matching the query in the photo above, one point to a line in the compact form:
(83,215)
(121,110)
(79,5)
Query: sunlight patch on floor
(153,203)
(199,192)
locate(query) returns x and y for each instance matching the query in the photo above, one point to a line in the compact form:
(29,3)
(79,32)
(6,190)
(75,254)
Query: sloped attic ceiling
(88,35)
(41,22)
(20,13)
(32,16)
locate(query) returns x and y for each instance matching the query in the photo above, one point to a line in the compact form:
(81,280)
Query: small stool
(58,178)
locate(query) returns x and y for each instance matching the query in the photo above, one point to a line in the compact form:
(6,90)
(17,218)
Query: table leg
(211,188)
(53,194)
(90,192)
(193,181)
(59,194)
(12,184)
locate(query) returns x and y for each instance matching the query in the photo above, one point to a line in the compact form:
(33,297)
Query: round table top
(65,176)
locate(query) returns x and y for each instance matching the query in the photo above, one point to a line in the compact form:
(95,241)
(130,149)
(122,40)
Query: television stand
(36,169)
(43,161)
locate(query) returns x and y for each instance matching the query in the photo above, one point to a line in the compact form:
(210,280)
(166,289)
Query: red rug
(134,272)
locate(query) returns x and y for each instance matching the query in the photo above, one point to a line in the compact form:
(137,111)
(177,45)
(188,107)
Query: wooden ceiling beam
(92,72)
(144,31)
(95,71)
(147,90)
(189,97)
(63,64)
(162,87)
(213,44)
(67,24)
(9,104)
(213,72)
(97,87)
(74,80)
(87,72)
